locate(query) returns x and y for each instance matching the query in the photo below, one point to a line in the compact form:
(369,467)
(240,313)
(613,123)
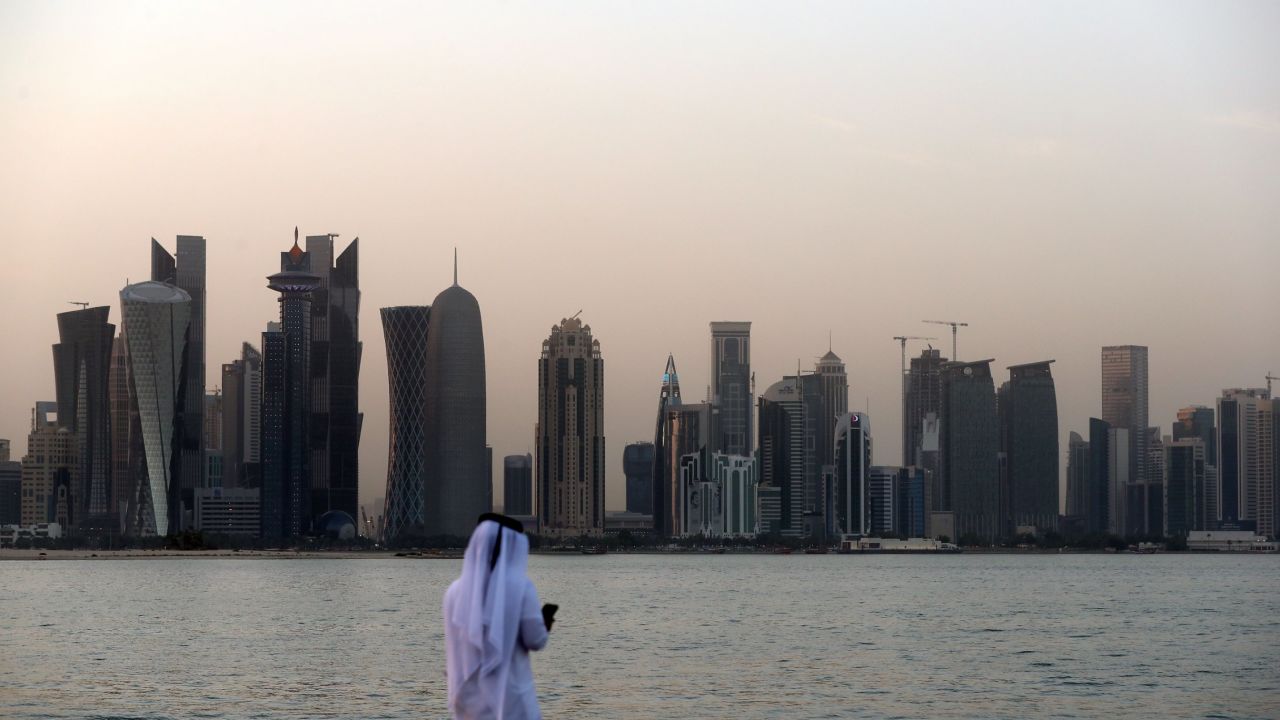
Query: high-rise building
(1197,421)
(1184,482)
(459,479)
(1028,408)
(125,438)
(731,387)
(1124,400)
(156,324)
(287,476)
(737,477)
(1246,458)
(213,422)
(570,432)
(242,419)
(49,468)
(335,352)
(664,470)
(1078,466)
(689,427)
(834,398)
(852,464)
(637,465)
(517,484)
(782,450)
(81,371)
(701,497)
(405,329)
(10,489)
(187,271)
(924,398)
(970,442)
(1117,474)
(4,450)
(912,502)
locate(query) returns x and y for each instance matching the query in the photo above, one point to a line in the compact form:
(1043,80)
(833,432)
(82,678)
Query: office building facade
(517,484)
(49,469)
(82,371)
(852,465)
(156,324)
(1184,483)
(242,419)
(459,479)
(1246,473)
(1028,410)
(970,442)
(637,466)
(737,477)
(405,329)
(570,432)
(782,450)
(731,388)
(662,486)
(1125,400)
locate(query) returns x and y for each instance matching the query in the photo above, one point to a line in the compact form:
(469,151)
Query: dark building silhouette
(852,466)
(82,371)
(970,441)
(125,436)
(637,465)
(1098,492)
(10,491)
(1125,405)
(665,472)
(782,450)
(924,397)
(242,419)
(187,271)
(1197,421)
(287,385)
(1028,408)
(405,329)
(1247,458)
(833,386)
(459,482)
(334,366)
(1184,487)
(517,484)
(731,388)
(1077,476)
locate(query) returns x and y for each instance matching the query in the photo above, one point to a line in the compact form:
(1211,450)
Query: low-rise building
(226,511)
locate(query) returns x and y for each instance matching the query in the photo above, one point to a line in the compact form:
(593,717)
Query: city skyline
(693,212)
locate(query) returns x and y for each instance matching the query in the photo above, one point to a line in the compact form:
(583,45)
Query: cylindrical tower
(405,329)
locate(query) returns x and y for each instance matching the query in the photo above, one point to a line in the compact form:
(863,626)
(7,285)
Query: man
(492,620)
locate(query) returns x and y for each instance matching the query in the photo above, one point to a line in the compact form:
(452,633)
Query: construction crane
(1270,377)
(954,324)
(83,305)
(902,374)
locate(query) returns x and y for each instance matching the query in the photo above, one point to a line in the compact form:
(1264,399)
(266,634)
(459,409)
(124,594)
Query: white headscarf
(482,613)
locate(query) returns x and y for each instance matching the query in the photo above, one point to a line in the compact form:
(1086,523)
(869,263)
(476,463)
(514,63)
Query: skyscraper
(570,432)
(1246,455)
(1028,408)
(1197,421)
(664,472)
(1077,476)
(637,465)
(834,397)
(81,371)
(125,437)
(405,329)
(1124,400)
(459,480)
(242,419)
(1097,508)
(48,469)
(156,323)
(970,440)
(731,387)
(287,498)
(852,464)
(335,353)
(517,484)
(1184,482)
(10,488)
(188,273)
(782,450)
(924,398)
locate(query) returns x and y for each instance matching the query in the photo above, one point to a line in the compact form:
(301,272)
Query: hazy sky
(1060,175)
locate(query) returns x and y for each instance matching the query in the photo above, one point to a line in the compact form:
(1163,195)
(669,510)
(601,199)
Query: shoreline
(33,554)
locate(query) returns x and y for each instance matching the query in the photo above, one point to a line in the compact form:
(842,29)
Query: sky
(1059,175)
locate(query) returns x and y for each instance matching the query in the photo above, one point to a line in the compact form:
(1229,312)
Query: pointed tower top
(455,266)
(295,252)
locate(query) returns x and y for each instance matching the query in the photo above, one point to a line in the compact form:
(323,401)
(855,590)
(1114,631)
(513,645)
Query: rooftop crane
(954,324)
(83,305)
(1271,377)
(902,373)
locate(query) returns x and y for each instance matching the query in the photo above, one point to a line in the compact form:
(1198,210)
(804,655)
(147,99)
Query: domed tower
(458,483)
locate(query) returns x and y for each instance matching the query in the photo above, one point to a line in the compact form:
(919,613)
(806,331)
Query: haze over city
(1059,177)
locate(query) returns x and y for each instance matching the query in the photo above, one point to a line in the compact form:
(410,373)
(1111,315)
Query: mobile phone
(549,613)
